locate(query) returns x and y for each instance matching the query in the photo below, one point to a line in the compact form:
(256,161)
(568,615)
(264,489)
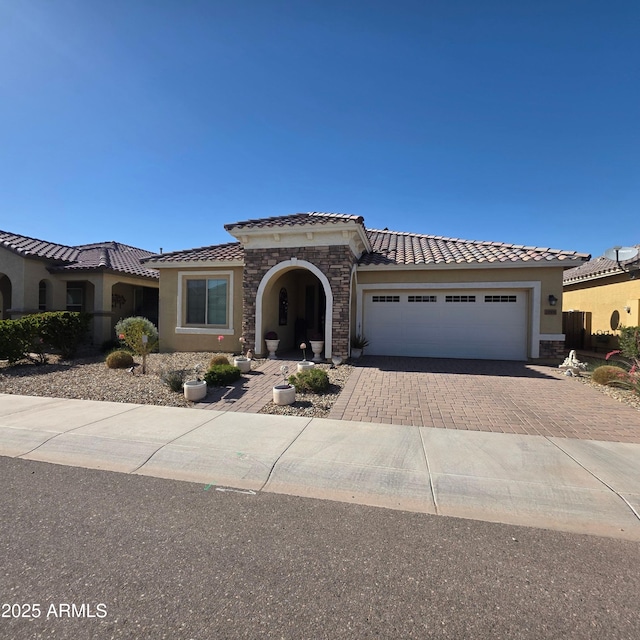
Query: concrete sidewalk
(581,486)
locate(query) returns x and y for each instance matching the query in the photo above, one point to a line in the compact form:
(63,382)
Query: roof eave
(434,266)
(189,264)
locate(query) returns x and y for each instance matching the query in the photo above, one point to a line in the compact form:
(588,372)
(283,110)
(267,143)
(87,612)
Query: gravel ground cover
(88,378)
(621,395)
(313,405)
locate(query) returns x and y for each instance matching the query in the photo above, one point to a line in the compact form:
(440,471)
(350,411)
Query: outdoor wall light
(627,309)
(553,300)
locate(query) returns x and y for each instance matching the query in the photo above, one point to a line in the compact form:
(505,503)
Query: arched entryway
(295,300)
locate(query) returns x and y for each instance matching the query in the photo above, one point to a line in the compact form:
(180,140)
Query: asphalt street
(101,555)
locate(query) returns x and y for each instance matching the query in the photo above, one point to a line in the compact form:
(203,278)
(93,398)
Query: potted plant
(284,393)
(358,343)
(272,342)
(317,345)
(305,364)
(196,389)
(242,362)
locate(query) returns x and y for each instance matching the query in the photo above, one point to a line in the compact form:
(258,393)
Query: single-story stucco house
(105,279)
(327,274)
(599,296)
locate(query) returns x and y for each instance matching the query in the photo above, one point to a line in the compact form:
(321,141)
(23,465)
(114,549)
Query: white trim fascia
(298,264)
(469,265)
(196,264)
(534,286)
(229,330)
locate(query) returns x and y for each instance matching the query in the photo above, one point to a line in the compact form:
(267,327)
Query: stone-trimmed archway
(276,271)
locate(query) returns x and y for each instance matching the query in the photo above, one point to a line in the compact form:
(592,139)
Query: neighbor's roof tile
(34,248)
(598,267)
(113,256)
(393,247)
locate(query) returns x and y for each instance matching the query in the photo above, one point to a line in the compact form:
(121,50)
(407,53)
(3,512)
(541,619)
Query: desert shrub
(174,379)
(629,341)
(63,330)
(311,381)
(16,340)
(220,375)
(140,335)
(218,360)
(119,360)
(610,375)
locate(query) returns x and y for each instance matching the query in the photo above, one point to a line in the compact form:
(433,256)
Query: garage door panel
(482,324)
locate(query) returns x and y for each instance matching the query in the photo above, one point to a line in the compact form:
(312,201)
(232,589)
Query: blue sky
(154,122)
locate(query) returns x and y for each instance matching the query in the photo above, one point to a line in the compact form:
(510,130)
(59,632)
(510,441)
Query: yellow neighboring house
(327,278)
(598,297)
(105,279)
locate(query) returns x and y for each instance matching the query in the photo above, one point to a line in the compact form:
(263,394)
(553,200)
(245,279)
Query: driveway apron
(480,395)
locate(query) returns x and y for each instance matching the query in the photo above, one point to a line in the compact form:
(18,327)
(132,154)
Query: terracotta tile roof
(34,248)
(393,247)
(112,256)
(231,251)
(313,217)
(599,268)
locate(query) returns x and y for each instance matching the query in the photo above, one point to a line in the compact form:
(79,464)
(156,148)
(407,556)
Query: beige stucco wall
(550,279)
(25,275)
(168,319)
(603,298)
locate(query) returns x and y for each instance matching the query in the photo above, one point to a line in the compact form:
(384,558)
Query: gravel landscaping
(88,378)
(313,405)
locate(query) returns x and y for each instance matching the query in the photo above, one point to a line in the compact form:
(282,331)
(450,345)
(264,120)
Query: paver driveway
(507,397)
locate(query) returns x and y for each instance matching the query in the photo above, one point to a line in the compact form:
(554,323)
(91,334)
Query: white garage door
(487,324)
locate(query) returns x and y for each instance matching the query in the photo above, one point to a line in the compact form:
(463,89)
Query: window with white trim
(206,302)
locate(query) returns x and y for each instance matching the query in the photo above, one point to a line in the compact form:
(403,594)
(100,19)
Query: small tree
(140,335)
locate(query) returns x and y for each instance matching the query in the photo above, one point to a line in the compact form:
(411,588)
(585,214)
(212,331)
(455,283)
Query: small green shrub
(630,342)
(220,375)
(63,330)
(174,379)
(610,375)
(140,335)
(311,381)
(119,360)
(16,339)
(216,360)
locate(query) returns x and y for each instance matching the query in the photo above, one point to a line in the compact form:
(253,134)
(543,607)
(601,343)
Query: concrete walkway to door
(499,396)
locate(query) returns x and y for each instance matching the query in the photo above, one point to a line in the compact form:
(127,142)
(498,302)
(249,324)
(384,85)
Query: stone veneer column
(334,261)
(552,349)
